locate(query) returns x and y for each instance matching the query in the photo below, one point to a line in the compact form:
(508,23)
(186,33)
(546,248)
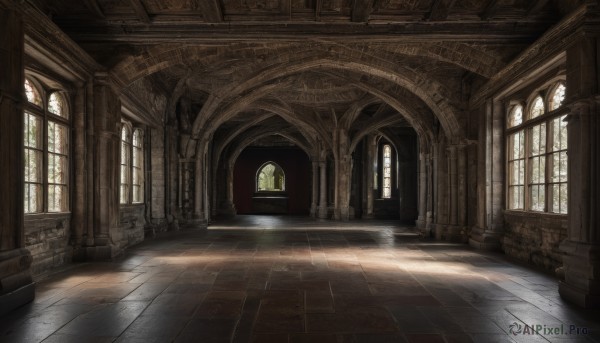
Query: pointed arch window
(270,178)
(46,151)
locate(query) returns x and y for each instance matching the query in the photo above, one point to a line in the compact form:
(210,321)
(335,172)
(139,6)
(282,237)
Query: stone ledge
(17,298)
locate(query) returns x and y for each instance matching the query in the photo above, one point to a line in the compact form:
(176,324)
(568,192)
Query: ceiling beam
(490,9)
(93,6)
(140,11)
(440,10)
(361,10)
(211,10)
(536,6)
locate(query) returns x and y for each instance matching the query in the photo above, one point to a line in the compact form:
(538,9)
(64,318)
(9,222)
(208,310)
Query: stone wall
(47,238)
(534,238)
(131,226)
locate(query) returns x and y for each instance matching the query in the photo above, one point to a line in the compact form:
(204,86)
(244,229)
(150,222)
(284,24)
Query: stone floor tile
(289,279)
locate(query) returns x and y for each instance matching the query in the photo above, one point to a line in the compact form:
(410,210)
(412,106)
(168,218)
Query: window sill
(46,215)
(522,213)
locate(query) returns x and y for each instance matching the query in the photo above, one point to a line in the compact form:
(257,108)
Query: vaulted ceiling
(316,64)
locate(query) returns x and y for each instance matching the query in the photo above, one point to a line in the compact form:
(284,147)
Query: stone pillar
(452,185)
(421,220)
(369,167)
(462,186)
(322,213)
(490,178)
(16,286)
(228,207)
(344,176)
(106,161)
(581,249)
(80,194)
(315,189)
(199,215)
(429,164)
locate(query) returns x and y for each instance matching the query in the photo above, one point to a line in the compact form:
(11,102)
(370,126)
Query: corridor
(291,279)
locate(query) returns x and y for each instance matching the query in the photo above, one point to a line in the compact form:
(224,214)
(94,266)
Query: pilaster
(16,285)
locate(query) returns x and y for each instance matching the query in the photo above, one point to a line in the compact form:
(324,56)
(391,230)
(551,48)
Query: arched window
(125,164)
(57,105)
(387,172)
(270,178)
(138,166)
(537,155)
(46,155)
(537,107)
(515,117)
(32,94)
(557,97)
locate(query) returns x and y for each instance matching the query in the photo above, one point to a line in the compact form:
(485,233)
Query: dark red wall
(295,165)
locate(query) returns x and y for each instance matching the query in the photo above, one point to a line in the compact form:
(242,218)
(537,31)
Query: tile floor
(287,279)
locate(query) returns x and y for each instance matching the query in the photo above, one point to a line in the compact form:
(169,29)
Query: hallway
(291,279)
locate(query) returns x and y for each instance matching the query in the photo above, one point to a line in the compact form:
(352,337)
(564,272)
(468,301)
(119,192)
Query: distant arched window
(57,105)
(137,181)
(270,178)
(387,172)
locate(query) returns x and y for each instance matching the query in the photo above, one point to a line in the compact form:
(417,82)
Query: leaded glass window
(58,167)
(515,118)
(57,105)
(557,190)
(558,96)
(32,94)
(537,163)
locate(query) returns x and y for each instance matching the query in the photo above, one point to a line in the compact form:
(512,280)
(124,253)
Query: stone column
(370,175)
(453,185)
(315,189)
(322,213)
(106,161)
(16,286)
(228,207)
(198,217)
(581,249)
(490,178)
(462,186)
(422,191)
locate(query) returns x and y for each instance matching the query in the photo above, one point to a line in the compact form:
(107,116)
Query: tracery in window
(387,172)
(125,164)
(57,105)
(537,107)
(270,178)
(138,167)
(32,94)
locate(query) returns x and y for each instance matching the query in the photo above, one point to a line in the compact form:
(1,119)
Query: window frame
(380,170)
(130,165)
(46,117)
(526,127)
